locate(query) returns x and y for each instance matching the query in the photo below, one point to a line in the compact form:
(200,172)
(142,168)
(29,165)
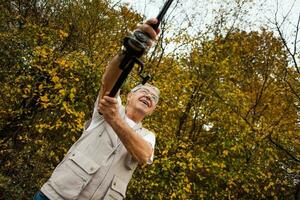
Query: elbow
(144,158)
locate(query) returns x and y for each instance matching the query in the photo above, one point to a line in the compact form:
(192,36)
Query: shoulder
(149,136)
(147,133)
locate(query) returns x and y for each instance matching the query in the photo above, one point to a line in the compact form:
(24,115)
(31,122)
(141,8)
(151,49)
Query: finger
(105,94)
(110,99)
(103,103)
(151,21)
(146,28)
(149,30)
(149,43)
(157,31)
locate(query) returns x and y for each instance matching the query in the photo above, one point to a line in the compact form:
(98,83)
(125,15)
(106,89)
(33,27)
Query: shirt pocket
(71,177)
(117,190)
(130,162)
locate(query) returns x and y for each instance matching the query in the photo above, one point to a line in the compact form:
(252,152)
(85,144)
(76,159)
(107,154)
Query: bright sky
(259,13)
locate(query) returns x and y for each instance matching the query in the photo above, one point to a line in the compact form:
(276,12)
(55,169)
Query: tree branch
(279,146)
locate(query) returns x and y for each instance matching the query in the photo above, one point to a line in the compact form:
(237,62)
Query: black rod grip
(161,14)
(121,79)
(128,63)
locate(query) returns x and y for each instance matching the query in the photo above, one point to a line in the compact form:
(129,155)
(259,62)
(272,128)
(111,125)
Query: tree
(53,54)
(227,123)
(224,109)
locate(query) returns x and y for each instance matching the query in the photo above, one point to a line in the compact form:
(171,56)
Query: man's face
(143,100)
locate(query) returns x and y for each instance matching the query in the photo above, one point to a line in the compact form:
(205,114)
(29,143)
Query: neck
(134,115)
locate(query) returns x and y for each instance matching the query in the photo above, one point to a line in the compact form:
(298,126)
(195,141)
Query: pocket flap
(84,162)
(119,186)
(130,162)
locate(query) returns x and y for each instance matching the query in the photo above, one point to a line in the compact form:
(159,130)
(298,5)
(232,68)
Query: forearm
(111,75)
(139,148)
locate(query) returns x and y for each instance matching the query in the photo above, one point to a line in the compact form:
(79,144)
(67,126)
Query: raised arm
(113,71)
(139,148)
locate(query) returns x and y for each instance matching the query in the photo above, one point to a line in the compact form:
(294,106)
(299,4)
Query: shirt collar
(132,123)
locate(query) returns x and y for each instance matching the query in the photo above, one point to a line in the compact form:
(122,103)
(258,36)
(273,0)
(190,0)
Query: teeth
(145,102)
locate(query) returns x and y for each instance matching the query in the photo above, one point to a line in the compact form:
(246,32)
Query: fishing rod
(134,47)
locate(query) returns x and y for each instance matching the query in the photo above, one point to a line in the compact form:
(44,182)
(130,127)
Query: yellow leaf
(222,165)
(63,34)
(225,152)
(62,92)
(44,98)
(40,87)
(57,86)
(55,79)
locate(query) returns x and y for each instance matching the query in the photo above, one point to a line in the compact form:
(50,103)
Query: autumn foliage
(227,124)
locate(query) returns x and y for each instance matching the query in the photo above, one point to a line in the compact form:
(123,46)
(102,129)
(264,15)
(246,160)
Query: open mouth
(145,101)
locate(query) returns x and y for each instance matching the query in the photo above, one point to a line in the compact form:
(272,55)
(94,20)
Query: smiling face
(141,102)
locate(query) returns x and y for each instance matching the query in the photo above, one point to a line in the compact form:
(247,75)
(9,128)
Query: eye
(154,98)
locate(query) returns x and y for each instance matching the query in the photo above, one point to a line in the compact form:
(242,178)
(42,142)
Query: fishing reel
(135,46)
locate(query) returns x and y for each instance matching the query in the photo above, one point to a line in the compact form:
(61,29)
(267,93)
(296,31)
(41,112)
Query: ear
(129,96)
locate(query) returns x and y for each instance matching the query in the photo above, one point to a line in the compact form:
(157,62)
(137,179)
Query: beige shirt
(96,119)
(97,166)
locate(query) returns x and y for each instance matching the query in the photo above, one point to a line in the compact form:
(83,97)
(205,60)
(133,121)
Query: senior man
(100,164)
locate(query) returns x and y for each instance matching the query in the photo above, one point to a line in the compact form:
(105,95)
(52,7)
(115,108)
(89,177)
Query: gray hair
(139,86)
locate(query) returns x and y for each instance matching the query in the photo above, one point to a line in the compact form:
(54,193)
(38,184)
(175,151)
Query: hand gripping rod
(135,46)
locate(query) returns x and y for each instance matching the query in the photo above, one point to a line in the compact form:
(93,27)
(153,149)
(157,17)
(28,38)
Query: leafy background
(227,124)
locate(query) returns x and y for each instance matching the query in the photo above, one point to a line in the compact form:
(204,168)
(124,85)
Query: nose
(148,97)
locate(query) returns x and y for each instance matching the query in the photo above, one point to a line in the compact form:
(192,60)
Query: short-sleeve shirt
(97,118)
